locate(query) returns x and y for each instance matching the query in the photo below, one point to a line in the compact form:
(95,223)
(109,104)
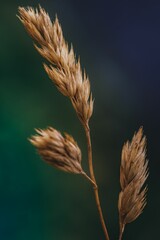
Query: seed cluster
(63,68)
(133,174)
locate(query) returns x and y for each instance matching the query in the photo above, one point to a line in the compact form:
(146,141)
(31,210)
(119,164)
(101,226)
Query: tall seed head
(64,70)
(133,174)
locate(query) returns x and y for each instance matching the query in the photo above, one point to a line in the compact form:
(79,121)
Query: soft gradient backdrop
(119,45)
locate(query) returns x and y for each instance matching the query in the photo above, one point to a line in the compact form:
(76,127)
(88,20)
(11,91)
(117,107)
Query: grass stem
(96,194)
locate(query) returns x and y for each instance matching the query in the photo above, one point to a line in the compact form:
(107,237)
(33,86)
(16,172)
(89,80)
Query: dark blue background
(119,45)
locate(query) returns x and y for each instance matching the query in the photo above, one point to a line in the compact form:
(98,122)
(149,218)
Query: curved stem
(120,236)
(89,179)
(122,226)
(89,146)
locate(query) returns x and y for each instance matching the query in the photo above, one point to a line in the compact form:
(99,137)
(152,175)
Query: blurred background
(119,45)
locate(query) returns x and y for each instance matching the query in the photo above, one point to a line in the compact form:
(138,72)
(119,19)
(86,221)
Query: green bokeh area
(38,202)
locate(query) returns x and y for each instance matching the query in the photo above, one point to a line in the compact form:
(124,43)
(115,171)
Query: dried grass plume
(133,174)
(60,152)
(64,70)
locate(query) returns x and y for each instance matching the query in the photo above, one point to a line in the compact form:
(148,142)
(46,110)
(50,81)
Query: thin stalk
(89,179)
(121,231)
(120,236)
(95,189)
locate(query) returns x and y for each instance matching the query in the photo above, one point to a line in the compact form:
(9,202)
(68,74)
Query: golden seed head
(64,70)
(133,174)
(60,152)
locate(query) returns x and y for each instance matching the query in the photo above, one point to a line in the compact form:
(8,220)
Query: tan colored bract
(133,174)
(60,152)
(64,70)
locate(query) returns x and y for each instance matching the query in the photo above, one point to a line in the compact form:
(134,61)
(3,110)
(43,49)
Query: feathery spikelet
(60,152)
(133,174)
(64,70)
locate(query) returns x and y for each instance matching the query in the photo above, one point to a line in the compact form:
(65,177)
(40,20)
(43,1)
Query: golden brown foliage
(63,152)
(60,152)
(64,70)
(133,174)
